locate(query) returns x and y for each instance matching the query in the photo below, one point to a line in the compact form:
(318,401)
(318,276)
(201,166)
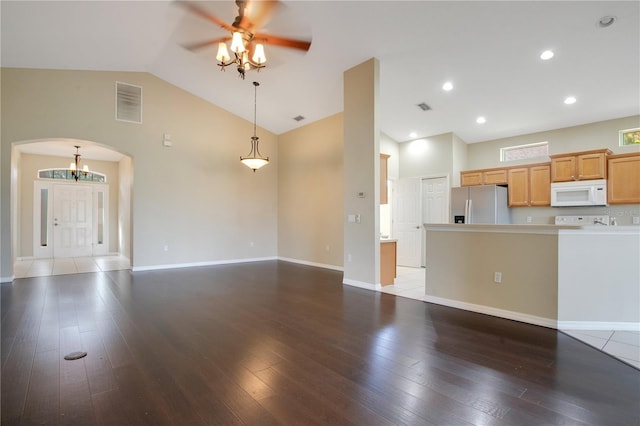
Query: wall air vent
(128,103)
(424,106)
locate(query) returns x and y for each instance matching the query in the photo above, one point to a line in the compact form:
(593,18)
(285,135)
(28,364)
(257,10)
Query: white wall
(599,279)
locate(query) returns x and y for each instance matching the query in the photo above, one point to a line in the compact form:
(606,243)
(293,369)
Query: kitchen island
(579,277)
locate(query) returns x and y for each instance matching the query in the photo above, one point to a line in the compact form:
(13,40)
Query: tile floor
(624,345)
(71,265)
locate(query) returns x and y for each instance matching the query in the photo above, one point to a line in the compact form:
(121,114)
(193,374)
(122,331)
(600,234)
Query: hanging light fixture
(75,166)
(254,160)
(241,39)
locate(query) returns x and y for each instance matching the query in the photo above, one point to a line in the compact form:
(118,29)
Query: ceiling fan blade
(206,43)
(281,41)
(258,13)
(195,9)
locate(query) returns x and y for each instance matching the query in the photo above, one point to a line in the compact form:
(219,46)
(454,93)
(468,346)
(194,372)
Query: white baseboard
(598,325)
(193,264)
(488,310)
(6,279)
(304,262)
(362,284)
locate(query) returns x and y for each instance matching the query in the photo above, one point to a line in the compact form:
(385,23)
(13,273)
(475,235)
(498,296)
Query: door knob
(417,227)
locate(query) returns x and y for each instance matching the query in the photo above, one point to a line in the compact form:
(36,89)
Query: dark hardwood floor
(279,343)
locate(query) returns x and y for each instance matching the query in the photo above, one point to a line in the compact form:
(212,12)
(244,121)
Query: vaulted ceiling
(490,51)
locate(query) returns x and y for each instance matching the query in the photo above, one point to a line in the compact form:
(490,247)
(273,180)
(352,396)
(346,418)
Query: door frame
(99,246)
(447,178)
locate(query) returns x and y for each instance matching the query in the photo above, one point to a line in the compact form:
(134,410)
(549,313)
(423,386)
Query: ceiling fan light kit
(247,52)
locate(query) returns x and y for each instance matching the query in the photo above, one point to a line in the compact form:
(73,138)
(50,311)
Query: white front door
(435,205)
(72,220)
(406,221)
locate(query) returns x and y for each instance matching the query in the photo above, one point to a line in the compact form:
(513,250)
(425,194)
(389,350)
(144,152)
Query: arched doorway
(61,225)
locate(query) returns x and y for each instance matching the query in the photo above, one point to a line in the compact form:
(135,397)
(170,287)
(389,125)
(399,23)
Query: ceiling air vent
(298,118)
(128,103)
(424,106)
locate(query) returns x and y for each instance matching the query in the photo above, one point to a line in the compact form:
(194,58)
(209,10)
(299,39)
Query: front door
(72,221)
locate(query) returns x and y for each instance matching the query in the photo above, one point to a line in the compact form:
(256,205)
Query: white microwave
(579,193)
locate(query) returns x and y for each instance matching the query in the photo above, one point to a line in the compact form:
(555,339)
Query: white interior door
(435,206)
(72,220)
(406,221)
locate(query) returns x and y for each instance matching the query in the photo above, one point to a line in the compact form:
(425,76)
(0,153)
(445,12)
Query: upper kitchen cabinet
(624,179)
(530,186)
(384,176)
(584,165)
(484,177)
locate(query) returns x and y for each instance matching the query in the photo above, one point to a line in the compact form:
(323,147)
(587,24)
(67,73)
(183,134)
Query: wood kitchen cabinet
(518,187)
(388,260)
(586,165)
(484,177)
(623,184)
(384,176)
(529,186)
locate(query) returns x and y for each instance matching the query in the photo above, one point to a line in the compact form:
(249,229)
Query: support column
(361,176)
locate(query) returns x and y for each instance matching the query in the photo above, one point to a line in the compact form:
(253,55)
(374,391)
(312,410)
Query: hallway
(71,265)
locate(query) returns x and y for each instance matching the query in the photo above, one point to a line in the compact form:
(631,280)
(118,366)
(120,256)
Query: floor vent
(128,103)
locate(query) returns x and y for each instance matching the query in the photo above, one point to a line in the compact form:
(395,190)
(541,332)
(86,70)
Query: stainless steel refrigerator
(484,204)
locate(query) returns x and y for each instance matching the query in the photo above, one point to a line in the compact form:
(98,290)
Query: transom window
(524,152)
(65,174)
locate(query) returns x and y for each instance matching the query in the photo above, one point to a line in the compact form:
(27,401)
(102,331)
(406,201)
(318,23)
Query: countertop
(533,229)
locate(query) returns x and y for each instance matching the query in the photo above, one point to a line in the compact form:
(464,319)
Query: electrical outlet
(166,247)
(251,244)
(529,219)
(497,277)
(636,220)
(349,257)
(327,247)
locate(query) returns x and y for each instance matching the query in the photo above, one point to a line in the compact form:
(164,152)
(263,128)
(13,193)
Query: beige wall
(461,266)
(195,198)
(602,134)
(390,147)
(28,169)
(432,156)
(362,174)
(310,193)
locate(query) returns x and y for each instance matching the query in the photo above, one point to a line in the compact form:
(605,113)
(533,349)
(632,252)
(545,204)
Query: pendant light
(75,166)
(254,160)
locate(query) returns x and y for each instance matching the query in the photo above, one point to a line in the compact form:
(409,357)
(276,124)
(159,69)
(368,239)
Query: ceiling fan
(247,43)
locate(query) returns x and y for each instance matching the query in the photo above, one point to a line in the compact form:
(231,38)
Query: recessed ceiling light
(481,120)
(546,55)
(447,86)
(606,21)
(570,100)
(413,134)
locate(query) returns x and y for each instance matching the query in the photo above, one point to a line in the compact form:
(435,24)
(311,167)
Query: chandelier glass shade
(74,167)
(254,160)
(239,42)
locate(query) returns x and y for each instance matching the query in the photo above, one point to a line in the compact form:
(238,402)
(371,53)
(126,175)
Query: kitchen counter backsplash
(622,215)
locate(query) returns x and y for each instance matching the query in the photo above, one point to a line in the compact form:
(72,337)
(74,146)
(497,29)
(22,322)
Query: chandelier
(254,160)
(239,42)
(75,166)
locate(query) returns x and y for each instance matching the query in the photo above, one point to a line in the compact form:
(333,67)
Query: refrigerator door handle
(469,211)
